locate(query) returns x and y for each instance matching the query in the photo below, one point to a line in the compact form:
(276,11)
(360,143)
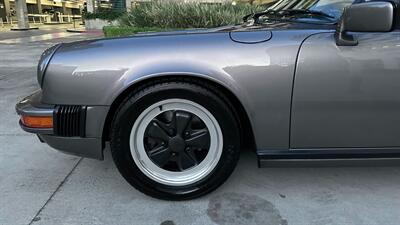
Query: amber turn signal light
(37,121)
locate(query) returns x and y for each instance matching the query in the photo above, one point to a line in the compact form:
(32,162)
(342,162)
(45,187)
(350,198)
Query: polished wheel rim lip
(186,177)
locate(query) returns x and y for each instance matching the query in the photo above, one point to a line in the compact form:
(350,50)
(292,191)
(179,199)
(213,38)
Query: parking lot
(39,185)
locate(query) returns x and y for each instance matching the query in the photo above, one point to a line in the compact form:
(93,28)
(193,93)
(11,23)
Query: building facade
(36,8)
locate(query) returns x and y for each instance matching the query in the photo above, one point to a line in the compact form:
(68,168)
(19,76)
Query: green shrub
(117,31)
(176,14)
(105,14)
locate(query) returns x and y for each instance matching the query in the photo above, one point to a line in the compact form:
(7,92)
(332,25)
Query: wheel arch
(246,129)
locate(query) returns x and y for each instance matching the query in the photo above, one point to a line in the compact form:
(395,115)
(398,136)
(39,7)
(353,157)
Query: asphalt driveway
(41,186)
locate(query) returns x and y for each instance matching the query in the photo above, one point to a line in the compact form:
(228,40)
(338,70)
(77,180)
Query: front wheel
(175,139)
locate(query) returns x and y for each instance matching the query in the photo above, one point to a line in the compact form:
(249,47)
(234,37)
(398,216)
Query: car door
(347,96)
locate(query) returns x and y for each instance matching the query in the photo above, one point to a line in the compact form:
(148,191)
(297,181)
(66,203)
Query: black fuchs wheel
(175,139)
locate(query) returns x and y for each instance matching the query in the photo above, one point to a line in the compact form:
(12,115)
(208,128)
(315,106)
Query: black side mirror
(364,17)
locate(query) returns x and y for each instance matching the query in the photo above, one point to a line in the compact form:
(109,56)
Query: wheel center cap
(177,144)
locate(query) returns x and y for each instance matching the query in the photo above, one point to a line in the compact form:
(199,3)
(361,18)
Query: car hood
(189,31)
(272,25)
(267,28)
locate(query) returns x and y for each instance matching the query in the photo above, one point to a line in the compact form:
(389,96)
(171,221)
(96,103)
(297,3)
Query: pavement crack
(34,219)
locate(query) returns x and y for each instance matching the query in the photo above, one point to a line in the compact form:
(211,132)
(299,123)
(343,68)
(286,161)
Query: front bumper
(31,106)
(74,130)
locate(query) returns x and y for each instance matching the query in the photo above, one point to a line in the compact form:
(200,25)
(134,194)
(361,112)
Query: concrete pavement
(41,186)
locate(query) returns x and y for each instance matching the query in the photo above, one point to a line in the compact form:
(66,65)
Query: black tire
(196,91)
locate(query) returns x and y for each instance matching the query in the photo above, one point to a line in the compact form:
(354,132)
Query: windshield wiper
(256,16)
(286,12)
(307,12)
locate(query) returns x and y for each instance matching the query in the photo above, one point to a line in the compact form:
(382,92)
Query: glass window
(333,8)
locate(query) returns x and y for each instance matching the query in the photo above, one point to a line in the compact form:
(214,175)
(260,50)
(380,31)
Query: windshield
(333,9)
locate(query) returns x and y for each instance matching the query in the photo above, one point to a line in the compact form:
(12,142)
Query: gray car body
(300,91)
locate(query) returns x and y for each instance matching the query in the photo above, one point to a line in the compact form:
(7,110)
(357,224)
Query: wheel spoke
(185,161)
(199,139)
(155,131)
(160,155)
(191,154)
(165,126)
(182,120)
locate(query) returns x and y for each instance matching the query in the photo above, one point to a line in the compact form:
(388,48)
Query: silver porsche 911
(306,79)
